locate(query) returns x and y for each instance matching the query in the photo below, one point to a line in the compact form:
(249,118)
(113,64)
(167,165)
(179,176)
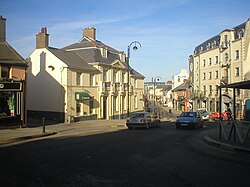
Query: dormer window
(241,33)
(208,46)
(104,52)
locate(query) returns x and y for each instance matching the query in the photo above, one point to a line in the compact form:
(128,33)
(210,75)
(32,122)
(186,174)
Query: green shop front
(12,104)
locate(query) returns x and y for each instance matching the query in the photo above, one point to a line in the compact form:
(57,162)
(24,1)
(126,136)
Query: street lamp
(135,44)
(156,78)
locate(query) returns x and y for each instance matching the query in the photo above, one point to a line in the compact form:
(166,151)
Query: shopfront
(12,103)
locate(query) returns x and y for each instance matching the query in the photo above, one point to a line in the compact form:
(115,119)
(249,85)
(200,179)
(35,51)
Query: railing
(234,129)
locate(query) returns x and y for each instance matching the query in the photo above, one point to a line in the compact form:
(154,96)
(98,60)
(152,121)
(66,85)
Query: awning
(82,96)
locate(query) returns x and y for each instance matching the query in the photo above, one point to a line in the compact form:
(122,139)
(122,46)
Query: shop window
(7,104)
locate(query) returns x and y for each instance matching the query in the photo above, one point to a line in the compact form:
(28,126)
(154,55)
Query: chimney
(42,39)
(90,32)
(2,29)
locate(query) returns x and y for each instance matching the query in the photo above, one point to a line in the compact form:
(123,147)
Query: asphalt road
(121,157)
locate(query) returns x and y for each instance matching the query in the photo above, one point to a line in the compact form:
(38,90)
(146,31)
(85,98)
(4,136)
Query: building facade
(222,59)
(12,83)
(180,77)
(85,80)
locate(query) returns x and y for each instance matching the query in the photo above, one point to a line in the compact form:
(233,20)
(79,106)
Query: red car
(216,115)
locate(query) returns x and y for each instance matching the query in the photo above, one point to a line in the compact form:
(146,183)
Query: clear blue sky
(168,30)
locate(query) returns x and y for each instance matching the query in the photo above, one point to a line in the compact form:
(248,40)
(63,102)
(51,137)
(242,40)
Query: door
(104,109)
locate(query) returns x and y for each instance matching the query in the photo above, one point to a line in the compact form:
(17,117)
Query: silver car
(142,120)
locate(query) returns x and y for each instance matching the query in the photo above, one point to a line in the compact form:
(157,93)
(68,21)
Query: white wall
(45,92)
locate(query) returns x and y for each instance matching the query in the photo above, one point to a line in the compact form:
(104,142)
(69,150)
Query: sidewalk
(35,130)
(211,136)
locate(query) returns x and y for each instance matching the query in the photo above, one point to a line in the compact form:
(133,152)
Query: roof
(136,74)
(183,86)
(89,50)
(73,60)
(240,85)
(9,56)
(167,87)
(216,39)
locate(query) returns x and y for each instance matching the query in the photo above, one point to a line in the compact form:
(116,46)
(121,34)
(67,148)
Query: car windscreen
(188,114)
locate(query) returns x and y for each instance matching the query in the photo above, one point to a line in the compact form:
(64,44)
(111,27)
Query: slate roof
(183,86)
(9,56)
(73,60)
(134,73)
(216,39)
(89,50)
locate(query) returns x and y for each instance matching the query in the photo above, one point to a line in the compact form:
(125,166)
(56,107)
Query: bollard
(43,124)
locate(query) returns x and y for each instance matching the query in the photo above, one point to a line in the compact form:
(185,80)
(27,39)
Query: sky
(168,30)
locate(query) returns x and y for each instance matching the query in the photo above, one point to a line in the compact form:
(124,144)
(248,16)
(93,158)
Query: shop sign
(10,86)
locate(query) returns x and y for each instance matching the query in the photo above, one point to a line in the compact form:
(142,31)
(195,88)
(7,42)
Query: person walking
(229,113)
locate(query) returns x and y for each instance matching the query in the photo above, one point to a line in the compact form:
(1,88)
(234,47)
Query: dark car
(189,119)
(142,120)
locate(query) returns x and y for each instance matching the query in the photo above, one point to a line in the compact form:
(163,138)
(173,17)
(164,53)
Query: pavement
(35,130)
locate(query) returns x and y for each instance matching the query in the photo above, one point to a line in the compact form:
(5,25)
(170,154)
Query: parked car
(189,119)
(204,114)
(216,115)
(142,120)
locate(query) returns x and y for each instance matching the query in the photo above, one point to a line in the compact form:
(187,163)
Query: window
(78,107)
(226,57)
(217,74)
(136,83)
(204,63)
(105,72)
(217,90)
(78,78)
(204,90)
(210,75)
(197,65)
(237,54)
(237,72)
(210,89)
(92,80)
(216,59)
(116,76)
(4,72)
(197,77)
(136,101)
(210,61)
(204,76)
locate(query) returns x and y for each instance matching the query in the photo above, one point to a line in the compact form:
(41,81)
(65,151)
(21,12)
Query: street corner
(225,146)
(16,139)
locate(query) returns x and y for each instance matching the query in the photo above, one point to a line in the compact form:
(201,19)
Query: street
(120,157)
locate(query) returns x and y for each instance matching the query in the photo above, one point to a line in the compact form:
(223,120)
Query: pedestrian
(229,113)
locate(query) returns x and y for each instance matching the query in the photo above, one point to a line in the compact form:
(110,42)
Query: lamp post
(135,44)
(156,78)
